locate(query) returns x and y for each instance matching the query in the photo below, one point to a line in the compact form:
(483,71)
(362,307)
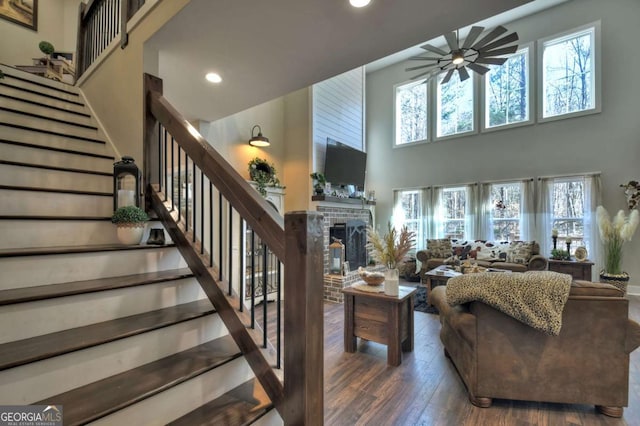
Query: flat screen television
(344,165)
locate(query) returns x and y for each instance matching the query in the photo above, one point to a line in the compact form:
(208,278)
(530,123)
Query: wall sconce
(126,183)
(258,140)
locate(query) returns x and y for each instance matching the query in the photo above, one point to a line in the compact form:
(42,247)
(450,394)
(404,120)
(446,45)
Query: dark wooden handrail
(297,242)
(258,213)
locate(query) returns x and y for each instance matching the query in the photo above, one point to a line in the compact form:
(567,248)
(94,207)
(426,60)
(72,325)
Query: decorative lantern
(126,183)
(336,257)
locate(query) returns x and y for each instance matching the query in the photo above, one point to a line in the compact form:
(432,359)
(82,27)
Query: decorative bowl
(373,279)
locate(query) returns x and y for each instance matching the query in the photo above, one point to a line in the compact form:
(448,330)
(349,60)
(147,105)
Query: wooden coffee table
(379,318)
(438,276)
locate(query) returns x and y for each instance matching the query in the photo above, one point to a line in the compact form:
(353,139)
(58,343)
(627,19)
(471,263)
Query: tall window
(411,113)
(454,106)
(408,211)
(568,209)
(453,206)
(569,73)
(507,91)
(507,211)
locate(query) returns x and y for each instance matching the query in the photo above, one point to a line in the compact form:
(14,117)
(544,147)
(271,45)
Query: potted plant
(130,221)
(319,182)
(613,234)
(559,254)
(263,174)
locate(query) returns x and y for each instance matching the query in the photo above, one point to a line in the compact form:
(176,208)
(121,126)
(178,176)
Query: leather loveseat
(517,256)
(500,357)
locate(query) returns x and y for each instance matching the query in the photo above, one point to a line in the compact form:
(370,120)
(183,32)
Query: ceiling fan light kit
(473,54)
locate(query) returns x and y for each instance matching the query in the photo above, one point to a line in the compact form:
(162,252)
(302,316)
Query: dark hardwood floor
(360,389)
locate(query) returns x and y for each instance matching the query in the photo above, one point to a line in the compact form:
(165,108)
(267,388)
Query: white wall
(57,24)
(608,142)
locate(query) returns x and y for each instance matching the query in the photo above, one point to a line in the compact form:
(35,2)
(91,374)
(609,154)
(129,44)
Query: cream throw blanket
(535,298)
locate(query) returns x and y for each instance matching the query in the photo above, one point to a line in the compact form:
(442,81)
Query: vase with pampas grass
(390,249)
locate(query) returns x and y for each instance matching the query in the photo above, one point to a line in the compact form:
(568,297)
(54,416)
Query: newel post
(303,319)
(151,147)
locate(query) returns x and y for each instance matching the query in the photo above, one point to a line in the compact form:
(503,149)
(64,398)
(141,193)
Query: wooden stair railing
(207,186)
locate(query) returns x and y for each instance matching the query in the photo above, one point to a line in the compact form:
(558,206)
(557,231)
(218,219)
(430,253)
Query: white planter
(130,234)
(391,282)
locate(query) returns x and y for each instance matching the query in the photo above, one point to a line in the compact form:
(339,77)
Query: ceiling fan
(471,54)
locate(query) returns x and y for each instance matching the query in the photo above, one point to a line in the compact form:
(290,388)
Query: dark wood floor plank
(24,351)
(106,396)
(240,406)
(41,292)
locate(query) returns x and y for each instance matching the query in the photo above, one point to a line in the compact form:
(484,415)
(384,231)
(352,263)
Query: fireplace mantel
(341,200)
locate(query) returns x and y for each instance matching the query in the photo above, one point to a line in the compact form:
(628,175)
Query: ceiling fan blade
(504,40)
(496,32)
(472,36)
(421,67)
(447,77)
(452,40)
(462,72)
(491,61)
(434,49)
(498,52)
(424,58)
(482,70)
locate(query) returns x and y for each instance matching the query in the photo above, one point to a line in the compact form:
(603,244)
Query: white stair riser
(60,268)
(25,154)
(33,382)
(34,97)
(48,316)
(31,77)
(183,398)
(48,125)
(33,177)
(34,233)
(36,203)
(46,140)
(30,108)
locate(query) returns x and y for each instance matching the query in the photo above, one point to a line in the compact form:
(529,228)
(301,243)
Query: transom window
(411,113)
(507,211)
(507,91)
(455,106)
(569,73)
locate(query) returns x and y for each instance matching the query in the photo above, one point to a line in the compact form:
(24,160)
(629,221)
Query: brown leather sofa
(536,262)
(500,357)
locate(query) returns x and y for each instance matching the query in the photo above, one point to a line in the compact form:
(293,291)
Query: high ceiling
(266,49)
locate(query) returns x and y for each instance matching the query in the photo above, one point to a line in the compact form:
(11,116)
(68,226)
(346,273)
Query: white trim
(100,125)
(474,110)
(596,53)
(395,113)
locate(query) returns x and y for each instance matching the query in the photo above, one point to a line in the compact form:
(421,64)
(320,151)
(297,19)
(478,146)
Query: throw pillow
(439,248)
(462,249)
(520,252)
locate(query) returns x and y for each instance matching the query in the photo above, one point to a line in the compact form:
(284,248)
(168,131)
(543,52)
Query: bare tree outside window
(507,91)
(454,202)
(411,113)
(506,212)
(569,210)
(568,79)
(455,106)
(411,205)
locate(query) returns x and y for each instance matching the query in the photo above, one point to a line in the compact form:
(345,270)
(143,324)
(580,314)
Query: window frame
(396,113)
(435,83)
(421,233)
(517,219)
(443,220)
(531,98)
(596,53)
(554,218)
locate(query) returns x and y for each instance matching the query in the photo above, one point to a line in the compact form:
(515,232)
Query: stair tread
(55,168)
(62,150)
(48,117)
(41,292)
(240,406)
(45,95)
(51,218)
(56,190)
(37,348)
(88,139)
(98,399)
(29,78)
(39,251)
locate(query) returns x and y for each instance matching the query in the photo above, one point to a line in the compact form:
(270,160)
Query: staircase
(117,335)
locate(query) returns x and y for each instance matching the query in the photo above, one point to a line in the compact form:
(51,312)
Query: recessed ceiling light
(213,77)
(359,3)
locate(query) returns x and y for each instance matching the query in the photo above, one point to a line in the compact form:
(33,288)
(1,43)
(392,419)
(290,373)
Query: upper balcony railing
(99,23)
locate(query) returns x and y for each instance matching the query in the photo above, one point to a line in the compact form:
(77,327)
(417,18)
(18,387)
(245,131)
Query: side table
(578,270)
(379,318)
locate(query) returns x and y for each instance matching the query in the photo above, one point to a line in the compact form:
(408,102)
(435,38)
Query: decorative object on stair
(390,250)
(156,237)
(263,174)
(130,221)
(470,54)
(126,183)
(258,140)
(613,234)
